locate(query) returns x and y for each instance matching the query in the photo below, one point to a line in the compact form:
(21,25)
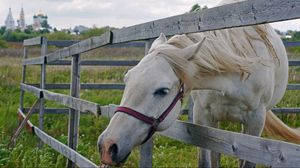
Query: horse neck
(222,83)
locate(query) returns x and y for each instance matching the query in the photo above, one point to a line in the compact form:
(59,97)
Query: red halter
(153,122)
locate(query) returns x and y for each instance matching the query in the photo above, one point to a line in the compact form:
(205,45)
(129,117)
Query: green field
(167,152)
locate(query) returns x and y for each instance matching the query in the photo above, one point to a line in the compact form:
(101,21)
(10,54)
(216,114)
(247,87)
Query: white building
(38,20)
(10,22)
(21,21)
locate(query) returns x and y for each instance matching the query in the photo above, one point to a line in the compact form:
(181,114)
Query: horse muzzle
(111,153)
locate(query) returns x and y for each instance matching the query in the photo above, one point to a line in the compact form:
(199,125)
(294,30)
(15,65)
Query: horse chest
(220,106)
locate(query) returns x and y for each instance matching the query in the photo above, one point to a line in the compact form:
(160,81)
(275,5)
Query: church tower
(10,22)
(21,21)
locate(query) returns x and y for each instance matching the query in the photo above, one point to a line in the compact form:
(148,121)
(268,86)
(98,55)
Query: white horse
(236,74)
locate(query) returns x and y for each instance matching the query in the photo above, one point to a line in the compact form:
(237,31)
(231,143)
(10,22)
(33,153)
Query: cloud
(84,5)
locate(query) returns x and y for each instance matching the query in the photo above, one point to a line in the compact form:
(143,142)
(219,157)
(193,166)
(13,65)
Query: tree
(29,30)
(45,24)
(15,36)
(278,32)
(43,31)
(197,7)
(290,32)
(296,36)
(2,30)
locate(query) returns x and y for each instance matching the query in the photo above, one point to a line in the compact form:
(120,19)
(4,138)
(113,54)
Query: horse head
(150,103)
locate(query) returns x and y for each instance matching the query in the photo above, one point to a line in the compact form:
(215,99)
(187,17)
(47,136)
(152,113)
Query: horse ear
(160,40)
(191,51)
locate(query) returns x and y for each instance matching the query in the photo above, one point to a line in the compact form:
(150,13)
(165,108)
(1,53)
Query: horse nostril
(113,151)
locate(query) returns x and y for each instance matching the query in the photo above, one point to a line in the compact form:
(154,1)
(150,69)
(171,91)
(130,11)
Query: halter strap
(153,122)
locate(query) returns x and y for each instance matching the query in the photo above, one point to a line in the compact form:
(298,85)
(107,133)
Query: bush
(15,36)
(93,32)
(3,44)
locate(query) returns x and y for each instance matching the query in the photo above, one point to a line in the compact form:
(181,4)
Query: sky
(115,13)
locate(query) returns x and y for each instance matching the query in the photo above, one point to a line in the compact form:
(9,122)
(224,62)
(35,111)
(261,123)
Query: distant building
(21,21)
(10,22)
(79,29)
(40,21)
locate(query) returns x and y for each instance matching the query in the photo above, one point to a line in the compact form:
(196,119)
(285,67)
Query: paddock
(255,149)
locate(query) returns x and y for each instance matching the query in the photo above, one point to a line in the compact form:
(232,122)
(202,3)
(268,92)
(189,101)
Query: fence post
(74,115)
(190,109)
(44,48)
(146,150)
(25,55)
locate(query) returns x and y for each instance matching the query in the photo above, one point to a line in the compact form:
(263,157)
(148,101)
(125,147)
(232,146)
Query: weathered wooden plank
(103,86)
(67,43)
(294,63)
(77,158)
(291,44)
(36,91)
(74,115)
(51,111)
(293,87)
(34,61)
(146,154)
(190,109)
(29,125)
(245,13)
(108,111)
(61,43)
(118,86)
(71,102)
(33,41)
(80,47)
(286,110)
(139,44)
(146,150)
(295,110)
(63,111)
(22,124)
(44,50)
(23,80)
(120,63)
(255,149)
(85,86)
(98,62)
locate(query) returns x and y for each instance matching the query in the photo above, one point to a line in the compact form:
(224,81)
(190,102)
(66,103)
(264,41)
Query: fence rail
(291,44)
(68,101)
(251,12)
(33,41)
(98,62)
(245,13)
(71,154)
(250,148)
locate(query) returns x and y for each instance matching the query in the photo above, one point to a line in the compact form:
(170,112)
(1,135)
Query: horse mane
(228,50)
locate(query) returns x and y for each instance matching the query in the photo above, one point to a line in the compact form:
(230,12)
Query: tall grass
(167,152)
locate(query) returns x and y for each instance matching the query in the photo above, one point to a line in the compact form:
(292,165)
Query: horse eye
(162,92)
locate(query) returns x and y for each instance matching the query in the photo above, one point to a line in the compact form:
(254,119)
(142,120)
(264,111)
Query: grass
(167,152)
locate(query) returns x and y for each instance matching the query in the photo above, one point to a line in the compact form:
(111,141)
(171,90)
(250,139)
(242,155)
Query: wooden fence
(254,149)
